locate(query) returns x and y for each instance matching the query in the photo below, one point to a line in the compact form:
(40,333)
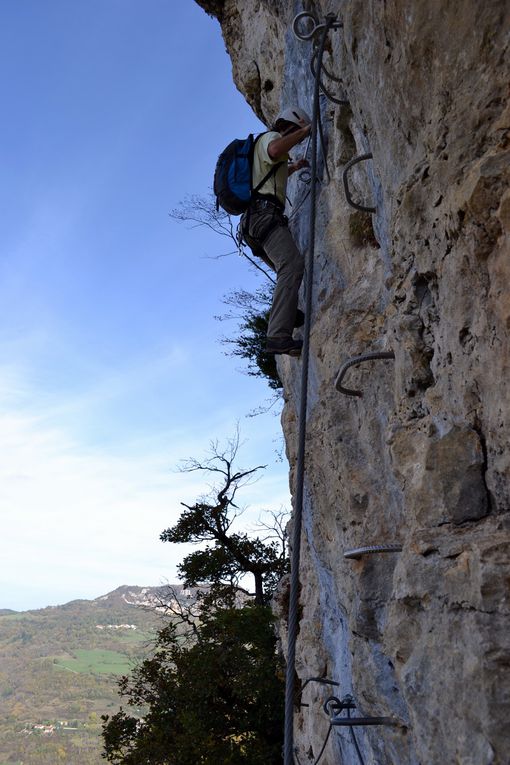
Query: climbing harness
(330,22)
(357,552)
(349,165)
(353,362)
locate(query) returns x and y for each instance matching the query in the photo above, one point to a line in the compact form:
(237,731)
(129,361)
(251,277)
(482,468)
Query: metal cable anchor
(334,707)
(317,27)
(357,552)
(358,360)
(301,34)
(349,165)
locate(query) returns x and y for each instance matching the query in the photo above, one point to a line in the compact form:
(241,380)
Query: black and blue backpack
(233,176)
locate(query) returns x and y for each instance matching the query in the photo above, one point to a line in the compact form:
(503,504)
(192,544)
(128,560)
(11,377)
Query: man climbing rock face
(265,227)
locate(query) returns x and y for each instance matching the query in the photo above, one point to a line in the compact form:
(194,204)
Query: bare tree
(202,211)
(232,555)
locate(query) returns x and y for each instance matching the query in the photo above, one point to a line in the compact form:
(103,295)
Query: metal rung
(349,198)
(334,707)
(351,721)
(357,552)
(358,360)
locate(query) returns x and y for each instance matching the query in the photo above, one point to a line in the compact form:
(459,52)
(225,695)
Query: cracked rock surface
(423,458)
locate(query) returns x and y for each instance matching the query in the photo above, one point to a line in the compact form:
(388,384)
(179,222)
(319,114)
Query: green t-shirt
(276,185)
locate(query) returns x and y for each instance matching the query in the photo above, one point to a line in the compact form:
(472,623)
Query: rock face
(423,458)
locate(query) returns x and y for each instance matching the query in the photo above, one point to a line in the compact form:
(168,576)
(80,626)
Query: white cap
(294,114)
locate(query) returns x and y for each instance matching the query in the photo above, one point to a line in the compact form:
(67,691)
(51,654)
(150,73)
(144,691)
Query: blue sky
(111,370)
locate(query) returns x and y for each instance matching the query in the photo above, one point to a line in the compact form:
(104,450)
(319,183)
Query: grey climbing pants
(270,239)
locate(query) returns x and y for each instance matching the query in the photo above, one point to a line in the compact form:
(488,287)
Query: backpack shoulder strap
(271,172)
(268,176)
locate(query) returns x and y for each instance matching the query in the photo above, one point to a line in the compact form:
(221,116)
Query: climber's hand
(299,164)
(305,126)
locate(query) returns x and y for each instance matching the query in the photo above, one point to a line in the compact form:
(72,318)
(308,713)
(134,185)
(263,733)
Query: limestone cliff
(423,458)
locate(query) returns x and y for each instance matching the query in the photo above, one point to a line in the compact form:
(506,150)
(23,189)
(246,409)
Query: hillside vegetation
(59,669)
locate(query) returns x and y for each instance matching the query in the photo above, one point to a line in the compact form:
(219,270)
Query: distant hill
(151,597)
(59,668)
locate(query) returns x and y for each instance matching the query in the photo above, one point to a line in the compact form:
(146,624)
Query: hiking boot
(300,319)
(285,345)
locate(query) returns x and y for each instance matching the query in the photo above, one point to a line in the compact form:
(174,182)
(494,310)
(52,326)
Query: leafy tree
(232,555)
(212,693)
(251,310)
(219,700)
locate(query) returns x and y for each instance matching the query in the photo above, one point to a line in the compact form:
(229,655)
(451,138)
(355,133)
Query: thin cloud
(67,510)
(78,520)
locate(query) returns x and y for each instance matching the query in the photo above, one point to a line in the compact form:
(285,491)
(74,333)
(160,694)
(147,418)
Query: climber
(264,226)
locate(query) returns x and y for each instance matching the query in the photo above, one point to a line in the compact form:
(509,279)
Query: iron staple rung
(351,163)
(357,552)
(353,362)
(351,721)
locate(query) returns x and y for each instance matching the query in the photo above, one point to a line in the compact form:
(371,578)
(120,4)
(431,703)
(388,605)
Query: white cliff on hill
(422,459)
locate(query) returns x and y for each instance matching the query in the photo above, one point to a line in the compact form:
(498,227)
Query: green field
(63,663)
(97,662)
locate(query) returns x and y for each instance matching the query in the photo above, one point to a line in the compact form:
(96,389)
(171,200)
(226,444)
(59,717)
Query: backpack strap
(268,175)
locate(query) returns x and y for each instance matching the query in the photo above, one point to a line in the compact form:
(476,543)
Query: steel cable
(324,745)
(305,176)
(288,746)
(355,742)
(289,754)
